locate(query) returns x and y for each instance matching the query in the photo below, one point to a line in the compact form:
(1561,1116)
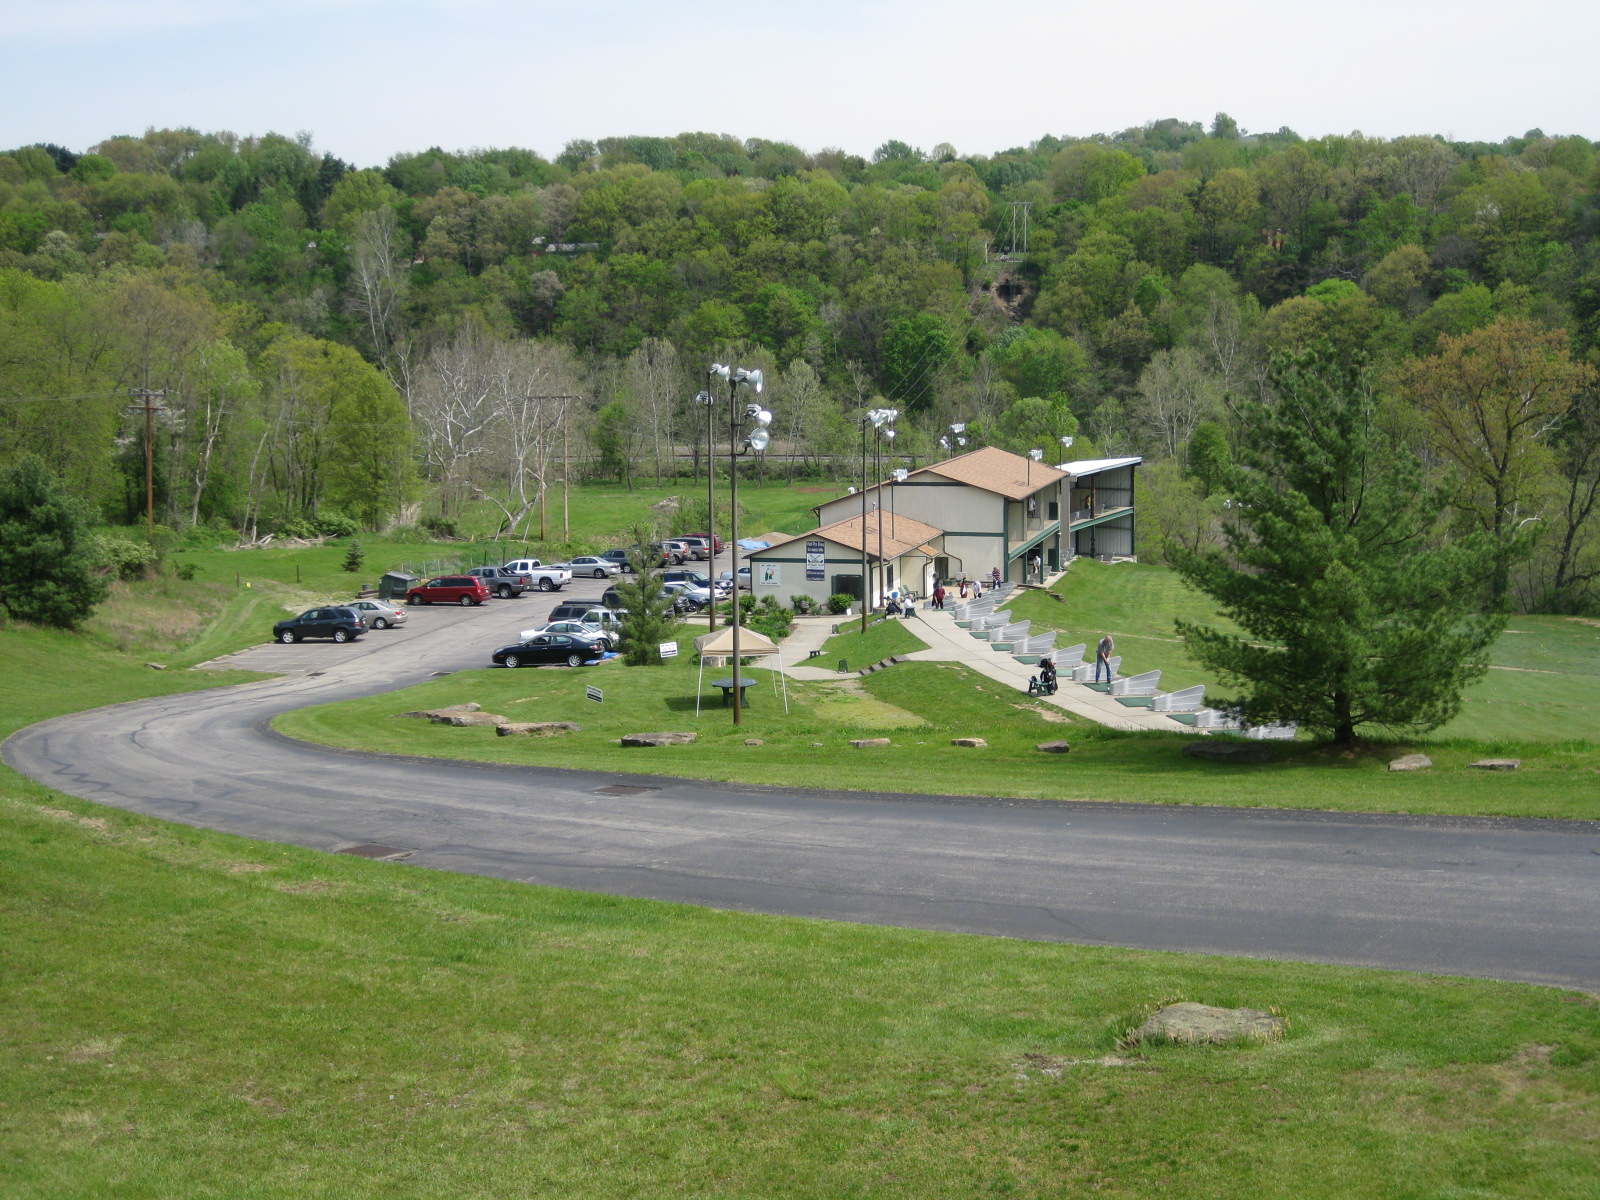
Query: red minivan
(449,589)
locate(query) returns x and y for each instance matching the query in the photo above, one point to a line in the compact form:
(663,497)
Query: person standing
(1102,657)
(994,578)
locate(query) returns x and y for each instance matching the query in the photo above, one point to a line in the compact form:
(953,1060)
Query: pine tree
(1354,612)
(650,616)
(354,556)
(46,564)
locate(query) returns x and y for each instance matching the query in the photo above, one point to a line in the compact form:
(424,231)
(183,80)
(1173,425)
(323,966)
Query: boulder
(869,743)
(973,743)
(1054,747)
(1231,752)
(1411,762)
(428,714)
(1497,764)
(1189,1024)
(667,738)
(466,720)
(536,728)
(754,742)
(156,666)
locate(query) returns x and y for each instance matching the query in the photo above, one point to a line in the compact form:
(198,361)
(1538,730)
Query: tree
(649,616)
(46,566)
(1492,397)
(914,352)
(1352,613)
(1176,393)
(1209,457)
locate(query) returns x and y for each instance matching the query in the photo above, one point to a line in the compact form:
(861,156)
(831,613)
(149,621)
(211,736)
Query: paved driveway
(1507,899)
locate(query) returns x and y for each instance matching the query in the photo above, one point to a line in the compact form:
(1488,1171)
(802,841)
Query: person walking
(938,596)
(1102,657)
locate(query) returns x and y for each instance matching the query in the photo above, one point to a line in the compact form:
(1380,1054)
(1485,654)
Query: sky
(372,78)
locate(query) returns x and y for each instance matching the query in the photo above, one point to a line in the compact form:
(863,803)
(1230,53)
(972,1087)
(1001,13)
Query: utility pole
(566,525)
(149,409)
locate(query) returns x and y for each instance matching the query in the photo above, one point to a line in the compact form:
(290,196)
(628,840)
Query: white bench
(1015,632)
(1069,658)
(1039,643)
(1137,685)
(1215,718)
(1278,731)
(1183,700)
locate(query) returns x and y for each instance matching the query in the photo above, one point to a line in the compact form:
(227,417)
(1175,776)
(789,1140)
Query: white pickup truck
(546,579)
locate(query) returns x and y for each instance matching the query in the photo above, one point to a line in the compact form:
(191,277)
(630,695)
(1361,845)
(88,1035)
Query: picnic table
(727,690)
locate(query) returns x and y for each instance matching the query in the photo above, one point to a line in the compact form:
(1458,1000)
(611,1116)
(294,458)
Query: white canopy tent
(751,645)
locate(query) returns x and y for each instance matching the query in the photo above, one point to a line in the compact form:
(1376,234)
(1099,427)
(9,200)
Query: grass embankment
(880,641)
(193,1014)
(1543,683)
(928,704)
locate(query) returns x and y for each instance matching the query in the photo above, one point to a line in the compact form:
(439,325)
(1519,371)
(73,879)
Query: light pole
(956,436)
(876,419)
(705,398)
(756,440)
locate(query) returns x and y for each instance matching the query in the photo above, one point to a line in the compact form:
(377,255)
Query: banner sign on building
(814,562)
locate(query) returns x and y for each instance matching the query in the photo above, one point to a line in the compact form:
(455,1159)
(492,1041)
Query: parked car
(699,547)
(620,558)
(673,553)
(570,648)
(699,596)
(450,589)
(680,604)
(591,564)
(604,638)
(546,579)
(719,544)
(378,614)
(503,582)
(686,575)
(600,616)
(341,623)
(744,577)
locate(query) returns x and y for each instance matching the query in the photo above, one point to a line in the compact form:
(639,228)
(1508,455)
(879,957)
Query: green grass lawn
(880,641)
(927,704)
(191,1014)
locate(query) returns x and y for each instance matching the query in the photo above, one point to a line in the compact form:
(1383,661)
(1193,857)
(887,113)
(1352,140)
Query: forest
(327,348)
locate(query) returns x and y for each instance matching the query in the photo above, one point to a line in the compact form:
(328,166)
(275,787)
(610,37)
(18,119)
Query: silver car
(589,564)
(378,614)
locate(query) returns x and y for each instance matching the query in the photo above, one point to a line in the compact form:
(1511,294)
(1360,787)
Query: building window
(1053,512)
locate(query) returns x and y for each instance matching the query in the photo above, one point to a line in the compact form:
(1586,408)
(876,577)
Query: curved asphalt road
(1503,899)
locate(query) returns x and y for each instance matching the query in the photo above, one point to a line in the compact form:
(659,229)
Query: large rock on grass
(1497,764)
(970,743)
(1054,747)
(536,728)
(1229,752)
(465,720)
(666,738)
(433,714)
(1411,762)
(1191,1024)
(869,743)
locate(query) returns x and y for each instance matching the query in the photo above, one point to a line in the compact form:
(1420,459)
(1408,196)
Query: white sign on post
(669,649)
(595,694)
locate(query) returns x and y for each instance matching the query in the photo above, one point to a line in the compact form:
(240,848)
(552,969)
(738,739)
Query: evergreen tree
(46,564)
(354,556)
(650,616)
(1353,614)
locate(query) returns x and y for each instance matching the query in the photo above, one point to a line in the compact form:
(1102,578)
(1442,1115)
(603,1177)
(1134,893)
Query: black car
(340,624)
(571,648)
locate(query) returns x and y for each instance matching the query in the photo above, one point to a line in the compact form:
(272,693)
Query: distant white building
(964,516)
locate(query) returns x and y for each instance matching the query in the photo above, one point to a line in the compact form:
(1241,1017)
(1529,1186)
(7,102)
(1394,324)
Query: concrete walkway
(948,642)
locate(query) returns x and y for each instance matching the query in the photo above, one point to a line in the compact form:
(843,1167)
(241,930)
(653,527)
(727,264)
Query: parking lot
(459,637)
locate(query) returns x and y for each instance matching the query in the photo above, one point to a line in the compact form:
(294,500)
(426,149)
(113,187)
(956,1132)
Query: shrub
(441,527)
(46,556)
(337,525)
(354,557)
(840,602)
(187,571)
(802,604)
(123,557)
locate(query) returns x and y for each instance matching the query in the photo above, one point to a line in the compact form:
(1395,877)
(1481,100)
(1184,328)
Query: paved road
(1505,899)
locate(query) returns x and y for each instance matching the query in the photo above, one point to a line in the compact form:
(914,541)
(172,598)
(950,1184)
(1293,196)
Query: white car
(582,628)
(744,578)
(588,564)
(700,595)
